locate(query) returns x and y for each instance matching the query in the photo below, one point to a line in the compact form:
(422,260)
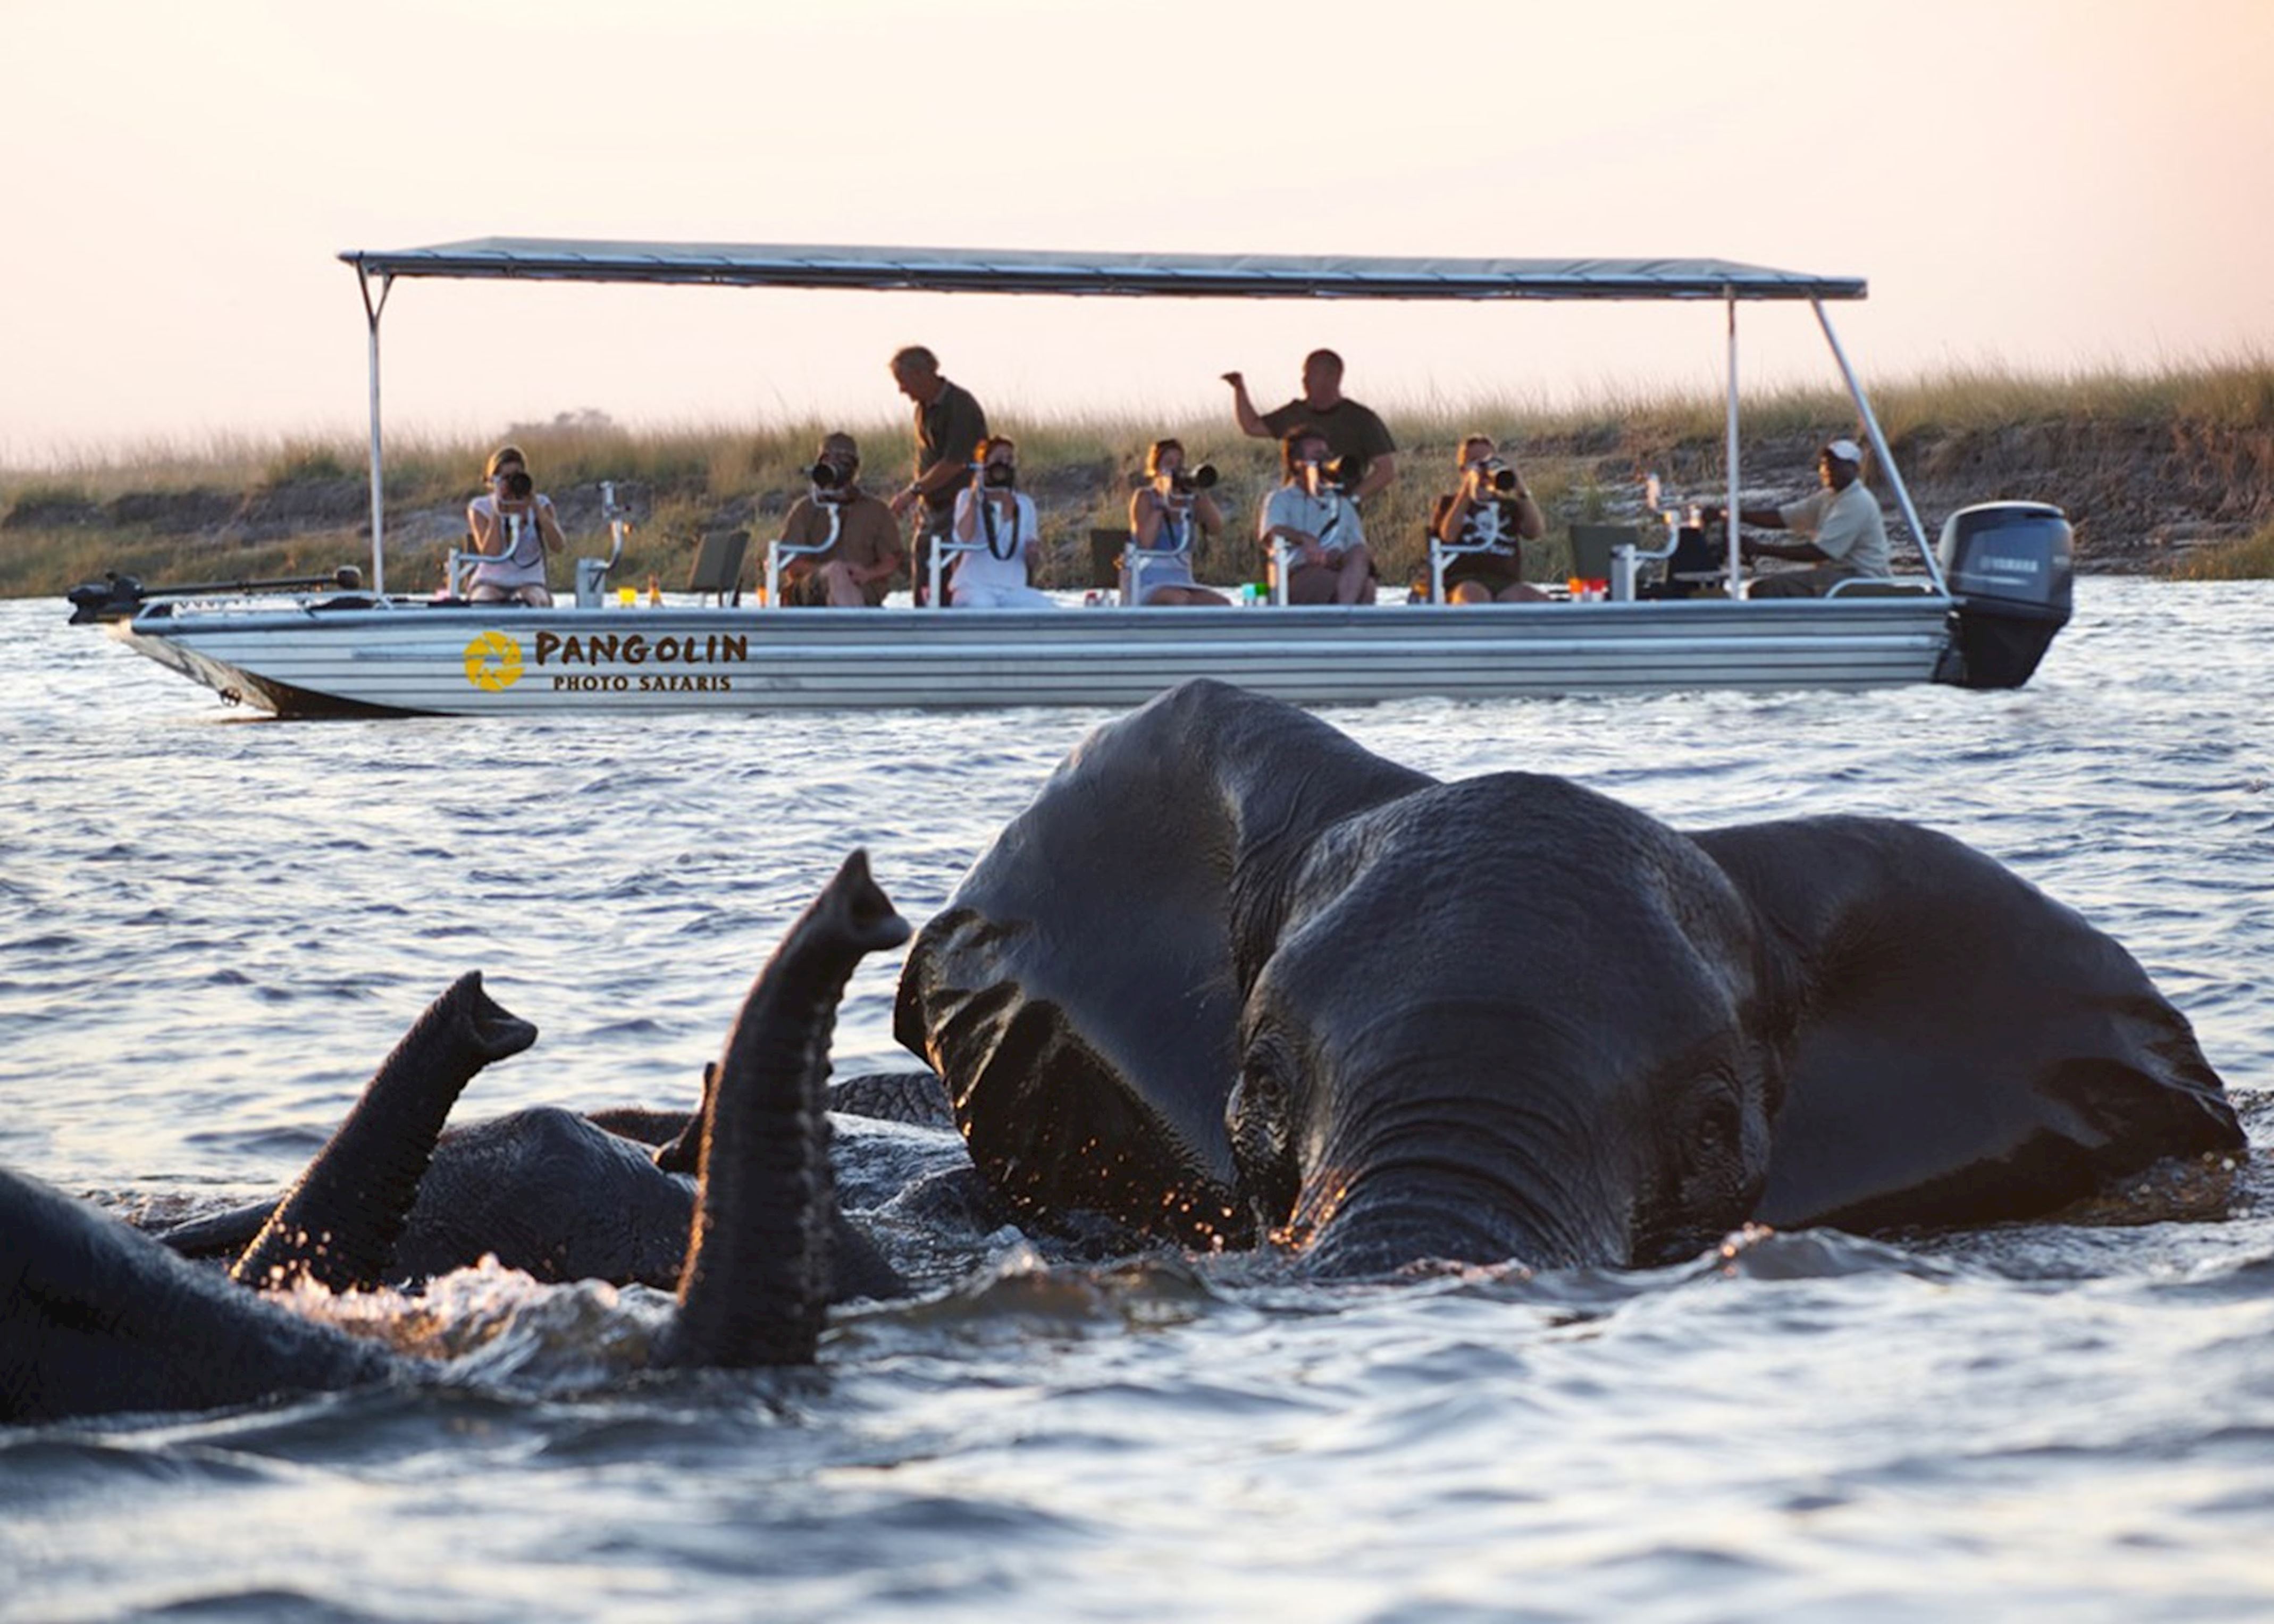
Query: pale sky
(2053,183)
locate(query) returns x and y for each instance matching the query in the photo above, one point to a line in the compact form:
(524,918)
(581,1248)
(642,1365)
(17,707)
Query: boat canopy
(1153,275)
(1129,275)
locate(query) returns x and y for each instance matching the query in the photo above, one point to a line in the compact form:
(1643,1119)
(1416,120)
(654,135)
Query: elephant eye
(1719,1124)
(1257,1118)
(1262,1092)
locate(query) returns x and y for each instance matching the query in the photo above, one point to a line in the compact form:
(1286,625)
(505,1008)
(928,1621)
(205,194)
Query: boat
(1986,604)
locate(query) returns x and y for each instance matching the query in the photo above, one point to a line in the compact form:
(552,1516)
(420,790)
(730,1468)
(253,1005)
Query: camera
(1001,476)
(1345,472)
(828,476)
(519,486)
(1497,474)
(1185,481)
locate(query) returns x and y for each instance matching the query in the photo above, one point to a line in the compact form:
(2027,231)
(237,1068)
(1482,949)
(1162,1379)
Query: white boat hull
(407,657)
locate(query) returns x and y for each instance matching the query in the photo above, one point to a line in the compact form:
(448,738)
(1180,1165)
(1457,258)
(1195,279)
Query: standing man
(1351,430)
(949,425)
(1842,533)
(860,544)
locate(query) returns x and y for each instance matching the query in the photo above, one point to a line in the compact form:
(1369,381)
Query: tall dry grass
(2251,558)
(73,517)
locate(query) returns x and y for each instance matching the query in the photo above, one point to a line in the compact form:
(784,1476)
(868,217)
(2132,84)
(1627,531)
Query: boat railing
(1627,558)
(592,573)
(1135,560)
(1283,568)
(943,546)
(781,549)
(1884,586)
(1443,552)
(458,568)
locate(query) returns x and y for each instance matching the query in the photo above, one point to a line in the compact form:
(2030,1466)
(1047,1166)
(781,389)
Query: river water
(212,928)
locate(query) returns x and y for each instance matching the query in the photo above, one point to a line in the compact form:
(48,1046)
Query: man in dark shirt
(1349,428)
(949,425)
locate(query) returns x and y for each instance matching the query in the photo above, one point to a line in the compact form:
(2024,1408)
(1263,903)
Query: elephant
(1231,978)
(96,1317)
(560,1195)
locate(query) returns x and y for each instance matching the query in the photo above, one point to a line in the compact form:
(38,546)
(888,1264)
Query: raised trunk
(759,1269)
(338,1225)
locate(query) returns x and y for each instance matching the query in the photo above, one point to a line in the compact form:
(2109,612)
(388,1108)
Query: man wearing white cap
(1841,531)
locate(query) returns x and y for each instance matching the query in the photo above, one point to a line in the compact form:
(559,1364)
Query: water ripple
(211,932)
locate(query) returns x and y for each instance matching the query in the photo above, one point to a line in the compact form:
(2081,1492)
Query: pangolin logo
(493,662)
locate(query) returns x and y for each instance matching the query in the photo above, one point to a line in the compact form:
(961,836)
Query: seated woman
(513,527)
(1309,511)
(1492,509)
(1001,518)
(1165,518)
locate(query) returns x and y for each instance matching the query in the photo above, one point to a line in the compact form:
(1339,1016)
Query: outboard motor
(122,598)
(2010,566)
(114,598)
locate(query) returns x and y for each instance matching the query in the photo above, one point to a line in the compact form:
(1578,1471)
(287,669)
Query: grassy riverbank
(2169,471)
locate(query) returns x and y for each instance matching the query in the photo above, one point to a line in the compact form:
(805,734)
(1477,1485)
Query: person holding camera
(950,425)
(1352,432)
(1492,511)
(513,526)
(859,540)
(1312,512)
(992,512)
(1842,534)
(1167,517)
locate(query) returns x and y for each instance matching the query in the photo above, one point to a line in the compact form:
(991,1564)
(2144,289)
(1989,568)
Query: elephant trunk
(1457,1174)
(1444,1214)
(338,1225)
(682,1153)
(758,1277)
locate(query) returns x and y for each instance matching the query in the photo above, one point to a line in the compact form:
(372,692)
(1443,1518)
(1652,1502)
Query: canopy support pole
(370,311)
(1736,586)
(1880,449)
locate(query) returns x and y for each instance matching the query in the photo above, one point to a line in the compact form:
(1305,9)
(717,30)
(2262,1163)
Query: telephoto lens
(1200,478)
(1503,476)
(519,485)
(823,475)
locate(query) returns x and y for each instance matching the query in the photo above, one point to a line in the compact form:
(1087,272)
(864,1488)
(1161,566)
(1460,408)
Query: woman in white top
(1000,518)
(1311,514)
(513,527)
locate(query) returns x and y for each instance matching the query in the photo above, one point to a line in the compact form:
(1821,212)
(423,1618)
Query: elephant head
(1233,976)
(1442,1055)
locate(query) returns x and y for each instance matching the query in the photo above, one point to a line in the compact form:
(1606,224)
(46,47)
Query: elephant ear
(1079,994)
(1966,1049)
